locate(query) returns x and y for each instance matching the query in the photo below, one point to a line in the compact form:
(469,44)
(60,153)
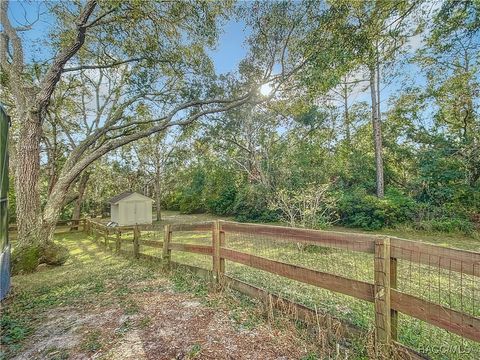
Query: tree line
(125,97)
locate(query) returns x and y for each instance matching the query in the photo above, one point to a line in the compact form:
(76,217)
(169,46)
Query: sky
(226,56)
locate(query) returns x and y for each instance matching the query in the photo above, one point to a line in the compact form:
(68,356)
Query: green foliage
(25,259)
(220,191)
(444,181)
(316,132)
(446,225)
(310,356)
(209,189)
(188,282)
(92,341)
(223,202)
(313,206)
(12,330)
(191,198)
(194,352)
(359,209)
(251,206)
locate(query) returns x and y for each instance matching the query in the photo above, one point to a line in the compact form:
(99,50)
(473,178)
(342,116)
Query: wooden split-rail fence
(386,252)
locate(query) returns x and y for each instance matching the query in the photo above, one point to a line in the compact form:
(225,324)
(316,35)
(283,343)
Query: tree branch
(52,77)
(107,66)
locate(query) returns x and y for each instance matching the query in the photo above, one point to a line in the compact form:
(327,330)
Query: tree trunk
(53,208)
(27,173)
(377,133)
(52,161)
(35,235)
(158,199)
(82,186)
(346,114)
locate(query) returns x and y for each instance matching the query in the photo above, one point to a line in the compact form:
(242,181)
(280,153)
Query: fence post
(107,232)
(75,224)
(136,245)
(166,253)
(382,294)
(393,285)
(218,239)
(118,242)
(221,244)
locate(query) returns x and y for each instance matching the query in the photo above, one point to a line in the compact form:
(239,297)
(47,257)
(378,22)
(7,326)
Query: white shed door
(140,212)
(135,211)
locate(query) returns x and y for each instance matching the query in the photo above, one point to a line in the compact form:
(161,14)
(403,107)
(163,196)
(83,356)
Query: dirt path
(161,324)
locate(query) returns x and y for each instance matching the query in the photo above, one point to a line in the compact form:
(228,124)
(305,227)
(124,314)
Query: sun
(266,89)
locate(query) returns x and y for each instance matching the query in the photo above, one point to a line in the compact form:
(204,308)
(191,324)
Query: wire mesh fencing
(192,245)
(437,295)
(419,295)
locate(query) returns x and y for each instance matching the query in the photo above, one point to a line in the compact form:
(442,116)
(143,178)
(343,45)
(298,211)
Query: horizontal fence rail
(386,286)
(327,281)
(72,224)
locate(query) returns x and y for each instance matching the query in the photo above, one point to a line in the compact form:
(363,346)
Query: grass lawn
(459,292)
(100,305)
(97,279)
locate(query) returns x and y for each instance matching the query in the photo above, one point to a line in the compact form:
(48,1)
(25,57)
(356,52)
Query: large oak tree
(158,49)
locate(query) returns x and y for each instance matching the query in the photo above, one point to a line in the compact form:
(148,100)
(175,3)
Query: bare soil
(156,325)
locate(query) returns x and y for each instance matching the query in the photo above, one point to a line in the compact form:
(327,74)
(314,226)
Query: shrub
(223,203)
(447,225)
(172,201)
(313,206)
(191,199)
(220,190)
(190,204)
(251,205)
(358,209)
(12,330)
(25,259)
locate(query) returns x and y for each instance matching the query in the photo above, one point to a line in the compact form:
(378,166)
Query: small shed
(130,208)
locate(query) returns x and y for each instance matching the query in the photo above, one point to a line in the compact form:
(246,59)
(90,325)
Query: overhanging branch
(106,66)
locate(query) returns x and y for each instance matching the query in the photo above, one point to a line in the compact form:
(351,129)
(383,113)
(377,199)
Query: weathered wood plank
(454,321)
(307,314)
(393,285)
(452,259)
(404,352)
(221,244)
(151,243)
(294,310)
(216,250)
(150,227)
(203,226)
(339,240)
(124,229)
(166,252)
(203,273)
(136,238)
(382,292)
(198,249)
(118,241)
(301,312)
(340,284)
(467,262)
